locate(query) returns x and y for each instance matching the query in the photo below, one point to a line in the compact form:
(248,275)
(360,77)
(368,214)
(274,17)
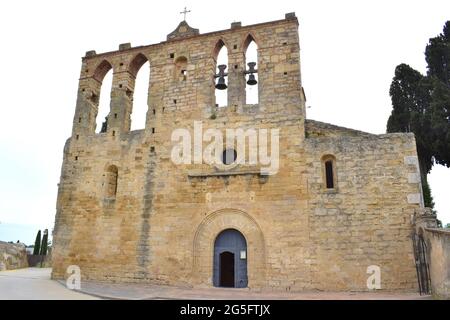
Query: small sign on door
(243,254)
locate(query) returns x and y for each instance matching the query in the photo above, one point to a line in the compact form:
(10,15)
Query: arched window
(221,88)
(181,68)
(251,87)
(329,171)
(140,68)
(104,75)
(111,177)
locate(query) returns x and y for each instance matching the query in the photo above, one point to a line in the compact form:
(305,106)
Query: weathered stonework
(12,256)
(438,241)
(161,225)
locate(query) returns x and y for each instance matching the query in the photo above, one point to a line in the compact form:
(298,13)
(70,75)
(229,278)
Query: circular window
(229,156)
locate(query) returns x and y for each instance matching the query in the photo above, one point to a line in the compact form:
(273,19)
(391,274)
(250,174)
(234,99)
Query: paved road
(35,284)
(151,292)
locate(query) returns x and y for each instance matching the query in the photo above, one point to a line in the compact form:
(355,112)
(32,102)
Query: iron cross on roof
(185,12)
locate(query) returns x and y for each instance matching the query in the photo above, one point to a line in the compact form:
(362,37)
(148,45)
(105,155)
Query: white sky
(349,50)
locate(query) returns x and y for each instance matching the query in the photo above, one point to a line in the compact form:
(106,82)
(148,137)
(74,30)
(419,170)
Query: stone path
(139,291)
(35,283)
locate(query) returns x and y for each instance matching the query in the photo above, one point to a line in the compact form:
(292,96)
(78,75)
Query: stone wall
(438,241)
(161,225)
(365,220)
(12,256)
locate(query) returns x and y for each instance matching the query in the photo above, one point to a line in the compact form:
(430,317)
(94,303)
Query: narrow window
(251,56)
(221,87)
(140,68)
(329,174)
(111,181)
(104,75)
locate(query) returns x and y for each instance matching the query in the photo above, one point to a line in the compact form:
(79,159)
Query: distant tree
(37,243)
(427,197)
(448,226)
(44,243)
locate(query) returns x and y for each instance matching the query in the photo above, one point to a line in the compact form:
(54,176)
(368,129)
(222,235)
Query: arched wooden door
(230,260)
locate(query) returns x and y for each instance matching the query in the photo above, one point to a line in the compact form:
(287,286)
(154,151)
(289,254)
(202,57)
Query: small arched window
(111,178)
(329,171)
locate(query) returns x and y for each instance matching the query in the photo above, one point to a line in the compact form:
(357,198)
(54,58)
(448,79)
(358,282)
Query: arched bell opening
(251,73)
(221,75)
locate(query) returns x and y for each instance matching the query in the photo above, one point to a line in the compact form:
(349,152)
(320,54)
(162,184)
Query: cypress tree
(411,95)
(437,55)
(44,243)
(421,104)
(37,243)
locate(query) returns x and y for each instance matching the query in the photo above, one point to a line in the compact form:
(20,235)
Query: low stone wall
(439,254)
(12,256)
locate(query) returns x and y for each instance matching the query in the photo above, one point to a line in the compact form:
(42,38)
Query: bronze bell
(221,84)
(251,70)
(251,80)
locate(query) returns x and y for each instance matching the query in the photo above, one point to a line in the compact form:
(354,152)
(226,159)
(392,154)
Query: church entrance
(230,260)
(226,269)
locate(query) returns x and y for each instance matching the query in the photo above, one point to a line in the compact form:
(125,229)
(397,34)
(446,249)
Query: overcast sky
(349,50)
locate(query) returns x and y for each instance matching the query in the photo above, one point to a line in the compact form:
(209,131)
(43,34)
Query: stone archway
(206,235)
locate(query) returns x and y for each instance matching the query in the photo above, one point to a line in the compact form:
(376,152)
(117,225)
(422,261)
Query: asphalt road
(35,284)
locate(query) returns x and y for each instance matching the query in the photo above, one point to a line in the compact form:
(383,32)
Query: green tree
(437,56)
(440,119)
(427,197)
(44,243)
(37,243)
(410,94)
(421,104)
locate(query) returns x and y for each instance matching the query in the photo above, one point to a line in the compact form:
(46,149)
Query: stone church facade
(340,202)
